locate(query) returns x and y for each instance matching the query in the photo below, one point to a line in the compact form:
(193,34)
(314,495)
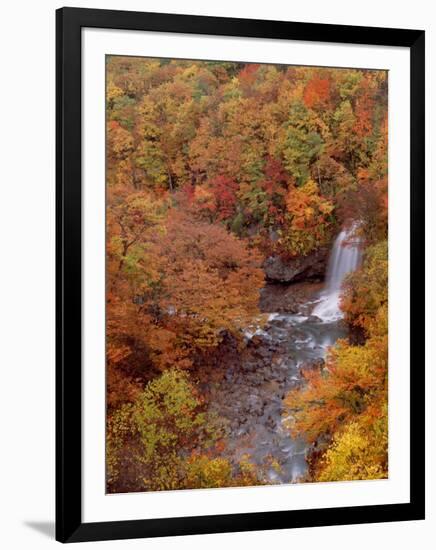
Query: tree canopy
(211,168)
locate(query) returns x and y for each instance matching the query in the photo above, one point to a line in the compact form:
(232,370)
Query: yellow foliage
(354,376)
(113,91)
(308,220)
(357,452)
(206,472)
(203,471)
(346,403)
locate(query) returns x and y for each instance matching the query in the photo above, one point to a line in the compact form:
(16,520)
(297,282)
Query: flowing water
(252,392)
(345,258)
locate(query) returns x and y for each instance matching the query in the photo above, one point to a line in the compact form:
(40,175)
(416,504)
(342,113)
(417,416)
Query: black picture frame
(69,525)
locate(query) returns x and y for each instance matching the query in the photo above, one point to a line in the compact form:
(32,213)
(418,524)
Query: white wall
(27,270)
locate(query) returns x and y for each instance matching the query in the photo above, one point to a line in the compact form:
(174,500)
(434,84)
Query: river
(250,395)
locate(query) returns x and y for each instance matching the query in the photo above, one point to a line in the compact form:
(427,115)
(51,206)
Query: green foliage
(237,224)
(366,290)
(165,440)
(302,143)
(155,432)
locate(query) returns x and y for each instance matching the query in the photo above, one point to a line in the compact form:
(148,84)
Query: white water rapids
(344,258)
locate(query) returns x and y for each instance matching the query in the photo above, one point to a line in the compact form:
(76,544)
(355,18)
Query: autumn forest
(247,274)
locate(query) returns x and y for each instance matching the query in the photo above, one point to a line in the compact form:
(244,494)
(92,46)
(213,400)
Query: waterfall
(344,258)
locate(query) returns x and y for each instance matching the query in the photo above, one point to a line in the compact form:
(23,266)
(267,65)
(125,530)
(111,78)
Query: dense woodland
(211,168)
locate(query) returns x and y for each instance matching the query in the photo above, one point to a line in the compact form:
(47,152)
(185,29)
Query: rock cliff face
(305,268)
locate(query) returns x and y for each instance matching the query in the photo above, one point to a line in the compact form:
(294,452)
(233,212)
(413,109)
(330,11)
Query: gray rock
(310,267)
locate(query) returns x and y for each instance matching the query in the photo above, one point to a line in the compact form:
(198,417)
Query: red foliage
(224,190)
(364,111)
(247,76)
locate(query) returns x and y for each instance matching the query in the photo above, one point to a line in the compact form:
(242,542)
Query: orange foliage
(346,387)
(210,281)
(209,166)
(317,93)
(309,219)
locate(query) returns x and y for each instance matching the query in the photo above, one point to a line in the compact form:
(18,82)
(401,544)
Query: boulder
(303,268)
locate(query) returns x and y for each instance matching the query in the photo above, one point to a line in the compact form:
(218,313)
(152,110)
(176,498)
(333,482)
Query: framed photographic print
(240,274)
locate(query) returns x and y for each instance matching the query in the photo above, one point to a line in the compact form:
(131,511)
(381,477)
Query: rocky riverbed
(249,395)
